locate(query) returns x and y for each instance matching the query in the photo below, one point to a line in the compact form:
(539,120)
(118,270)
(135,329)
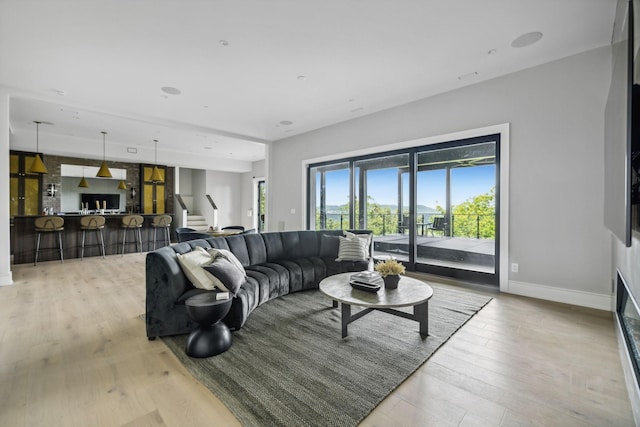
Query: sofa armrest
(165,282)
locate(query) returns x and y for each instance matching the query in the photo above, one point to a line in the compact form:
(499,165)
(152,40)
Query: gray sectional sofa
(276,264)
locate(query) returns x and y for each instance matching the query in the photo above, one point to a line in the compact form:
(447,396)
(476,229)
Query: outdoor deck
(456,252)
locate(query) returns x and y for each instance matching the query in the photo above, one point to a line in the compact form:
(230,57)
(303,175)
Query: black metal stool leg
(101,241)
(82,247)
(37,249)
(60,242)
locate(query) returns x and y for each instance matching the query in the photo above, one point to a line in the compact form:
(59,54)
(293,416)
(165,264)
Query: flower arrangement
(389,267)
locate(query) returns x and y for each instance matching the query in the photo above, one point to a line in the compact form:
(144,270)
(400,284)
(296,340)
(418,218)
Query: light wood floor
(73,352)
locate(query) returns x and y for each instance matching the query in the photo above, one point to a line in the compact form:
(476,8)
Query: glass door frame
(412,265)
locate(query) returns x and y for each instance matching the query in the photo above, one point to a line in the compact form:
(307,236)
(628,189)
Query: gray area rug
(288,365)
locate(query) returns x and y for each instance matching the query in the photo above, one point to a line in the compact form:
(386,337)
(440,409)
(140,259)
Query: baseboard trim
(6,280)
(567,296)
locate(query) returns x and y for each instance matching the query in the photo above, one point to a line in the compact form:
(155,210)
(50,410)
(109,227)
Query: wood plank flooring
(73,352)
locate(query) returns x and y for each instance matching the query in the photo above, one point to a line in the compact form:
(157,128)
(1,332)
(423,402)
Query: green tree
(475,217)
(380,219)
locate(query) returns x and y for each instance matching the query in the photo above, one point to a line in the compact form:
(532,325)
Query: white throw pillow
(352,249)
(191,264)
(367,237)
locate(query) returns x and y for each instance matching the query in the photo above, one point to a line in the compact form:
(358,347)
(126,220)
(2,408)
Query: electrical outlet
(514,267)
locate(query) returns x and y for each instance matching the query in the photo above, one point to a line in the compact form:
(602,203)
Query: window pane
(382,185)
(456,205)
(329,205)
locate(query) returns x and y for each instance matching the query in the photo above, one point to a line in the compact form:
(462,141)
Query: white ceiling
(93,65)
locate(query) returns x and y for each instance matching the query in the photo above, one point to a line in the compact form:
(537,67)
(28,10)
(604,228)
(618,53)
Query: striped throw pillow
(352,249)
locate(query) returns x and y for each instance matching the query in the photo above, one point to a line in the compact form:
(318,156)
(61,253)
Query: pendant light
(83,181)
(104,171)
(38,165)
(122,185)
(155,173)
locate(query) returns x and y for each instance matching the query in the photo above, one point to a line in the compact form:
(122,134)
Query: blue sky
(382,185)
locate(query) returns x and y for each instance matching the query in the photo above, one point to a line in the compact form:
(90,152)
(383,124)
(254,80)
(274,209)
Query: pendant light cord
(104,146)
(156,141)
(37,137)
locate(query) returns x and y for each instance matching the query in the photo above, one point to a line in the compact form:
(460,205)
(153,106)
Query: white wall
(5,247)
(199,189)
(230,191)
(556,113)
(225,188)
(185,188)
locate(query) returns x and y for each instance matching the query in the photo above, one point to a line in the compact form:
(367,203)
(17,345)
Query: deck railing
(462,225)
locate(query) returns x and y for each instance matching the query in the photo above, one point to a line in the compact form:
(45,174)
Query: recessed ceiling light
(171,90)
(527,39)
(224,43)
(286,123)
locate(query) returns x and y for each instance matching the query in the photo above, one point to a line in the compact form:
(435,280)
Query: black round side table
(212,336)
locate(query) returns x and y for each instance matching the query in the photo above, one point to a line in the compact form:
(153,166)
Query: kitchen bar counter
(23,238)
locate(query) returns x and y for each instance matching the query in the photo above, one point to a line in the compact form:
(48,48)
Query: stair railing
(182,219)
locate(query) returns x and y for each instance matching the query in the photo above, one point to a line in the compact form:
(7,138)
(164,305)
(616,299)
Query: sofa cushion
(238,245)
(291,243)
(329,246)
(274,246)
(229,277)
(278,280)
(244,303)
(309,244)
(256,248)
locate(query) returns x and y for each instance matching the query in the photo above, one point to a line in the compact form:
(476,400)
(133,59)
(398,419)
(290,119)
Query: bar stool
(49,224)
(161,221)
(132,222)
(92,223)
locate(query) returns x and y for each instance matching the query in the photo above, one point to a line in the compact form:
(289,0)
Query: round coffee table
(410,293)
(212,336)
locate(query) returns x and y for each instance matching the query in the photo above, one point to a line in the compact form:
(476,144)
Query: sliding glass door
(455,190)
(432,207)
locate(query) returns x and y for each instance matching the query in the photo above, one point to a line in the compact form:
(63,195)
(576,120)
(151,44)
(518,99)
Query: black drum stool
(212,336)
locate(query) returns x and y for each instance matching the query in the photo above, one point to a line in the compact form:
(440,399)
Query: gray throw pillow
(230,278)
(329,246)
